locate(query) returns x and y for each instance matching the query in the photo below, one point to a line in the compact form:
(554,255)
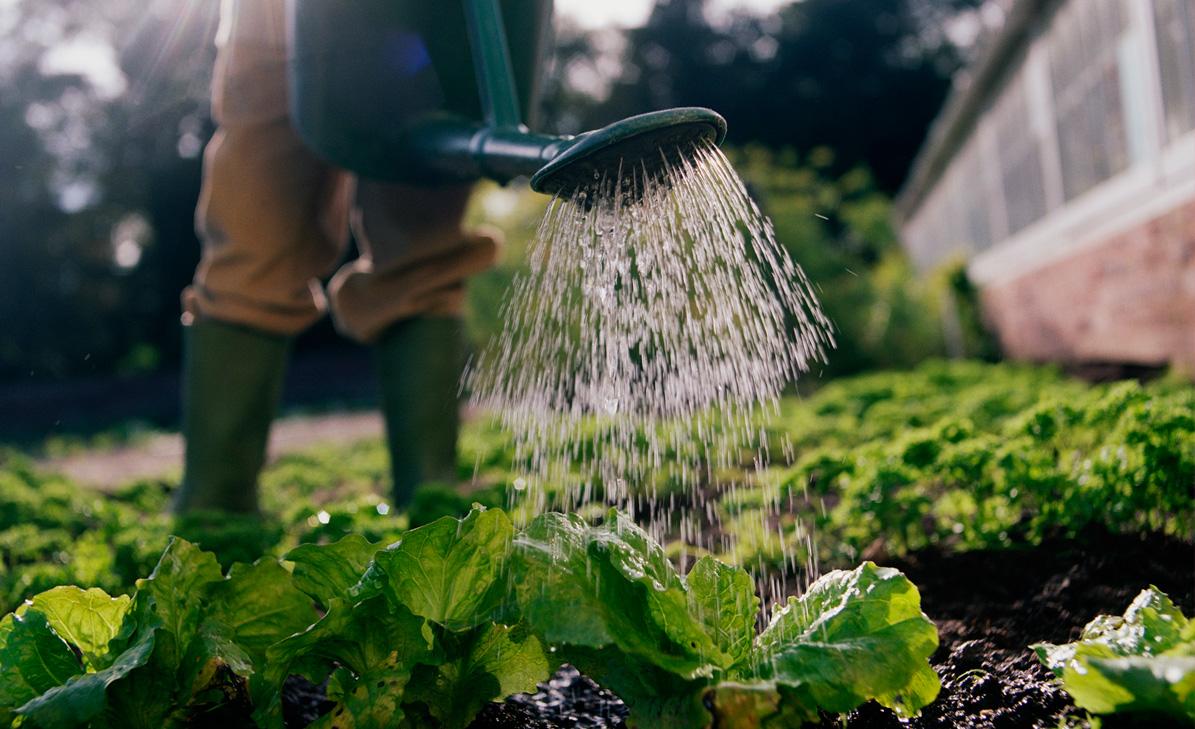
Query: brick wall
(1130,299)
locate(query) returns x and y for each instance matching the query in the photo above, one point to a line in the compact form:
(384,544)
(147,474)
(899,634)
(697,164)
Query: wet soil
(569,701)
(988,605)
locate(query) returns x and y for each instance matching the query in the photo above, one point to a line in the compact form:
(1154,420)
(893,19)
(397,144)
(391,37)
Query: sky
(628,13)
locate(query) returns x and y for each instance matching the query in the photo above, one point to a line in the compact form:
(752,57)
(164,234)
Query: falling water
(647,345)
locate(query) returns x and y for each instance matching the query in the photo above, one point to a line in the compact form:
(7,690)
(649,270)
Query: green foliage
(1141,662)
(664,642)
(86,619)
(958,454)
(490,662)
(851,637)
(53,532)
(74,654)
(971,455)
(410,635)
(448,571)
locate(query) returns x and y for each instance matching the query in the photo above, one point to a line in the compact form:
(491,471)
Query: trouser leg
(405,295)
(273,219)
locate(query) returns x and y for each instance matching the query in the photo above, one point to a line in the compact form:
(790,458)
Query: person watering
(400,91)
(274,219)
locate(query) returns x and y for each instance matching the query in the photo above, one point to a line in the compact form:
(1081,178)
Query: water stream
(647,345)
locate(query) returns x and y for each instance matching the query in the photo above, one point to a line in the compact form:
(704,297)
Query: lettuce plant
(613,605)
(1142,662)
(461,612)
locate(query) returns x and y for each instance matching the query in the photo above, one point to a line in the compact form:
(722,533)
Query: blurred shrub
(839,229)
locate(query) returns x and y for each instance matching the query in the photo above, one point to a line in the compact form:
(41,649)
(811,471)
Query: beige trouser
(274,219)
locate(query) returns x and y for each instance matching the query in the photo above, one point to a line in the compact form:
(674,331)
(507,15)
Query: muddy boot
(232,382)
(419,366)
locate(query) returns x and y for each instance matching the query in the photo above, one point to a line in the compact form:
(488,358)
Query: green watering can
(430,92)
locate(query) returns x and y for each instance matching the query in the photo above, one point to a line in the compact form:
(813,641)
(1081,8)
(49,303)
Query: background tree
(861,77)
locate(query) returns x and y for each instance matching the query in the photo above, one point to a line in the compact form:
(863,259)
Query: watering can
(425,92)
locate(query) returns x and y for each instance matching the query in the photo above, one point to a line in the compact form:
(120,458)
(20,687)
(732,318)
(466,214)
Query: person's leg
(273,219)
(405,295)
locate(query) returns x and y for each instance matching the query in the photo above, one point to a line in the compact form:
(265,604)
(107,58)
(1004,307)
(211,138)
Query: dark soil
(988,605)
(303,702)
(569,700)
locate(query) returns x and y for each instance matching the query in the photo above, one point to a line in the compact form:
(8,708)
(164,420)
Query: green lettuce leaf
(371,641)
(84,696)
(852,637)
(488,664)
(85,619)
(145,698)
(89,621)
(259,605)
(33,660)
(658,698)
(1143,661)
(449,571)
(372,700)
(722,599)
(177,588)
(360,637)
(616,586)
(329,571)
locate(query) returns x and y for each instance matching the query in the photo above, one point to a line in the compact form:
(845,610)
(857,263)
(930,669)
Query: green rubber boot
(419,365)
(232,383)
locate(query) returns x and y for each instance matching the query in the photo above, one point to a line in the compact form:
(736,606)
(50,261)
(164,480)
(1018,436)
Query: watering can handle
(491,59)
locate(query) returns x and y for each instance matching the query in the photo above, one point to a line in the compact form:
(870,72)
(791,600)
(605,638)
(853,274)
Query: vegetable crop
(1141,662)
(957,454)
(458,613)
(972,456)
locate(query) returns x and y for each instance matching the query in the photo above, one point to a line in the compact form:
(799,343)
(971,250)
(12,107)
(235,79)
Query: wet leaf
(448,571)
(853,636)
(1143,661)
(328,571)
(491,663)
(722,599)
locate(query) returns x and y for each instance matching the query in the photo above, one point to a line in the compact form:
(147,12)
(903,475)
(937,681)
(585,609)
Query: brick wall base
(1130,299)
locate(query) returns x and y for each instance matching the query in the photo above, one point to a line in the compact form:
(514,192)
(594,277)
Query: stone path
(160,456)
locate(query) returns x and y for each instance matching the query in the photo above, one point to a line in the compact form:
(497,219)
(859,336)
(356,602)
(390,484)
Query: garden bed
(989,606)
(1015,499)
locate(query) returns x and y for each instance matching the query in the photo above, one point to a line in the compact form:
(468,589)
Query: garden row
(460,613)
(950,457)
(457,614)
(969,456)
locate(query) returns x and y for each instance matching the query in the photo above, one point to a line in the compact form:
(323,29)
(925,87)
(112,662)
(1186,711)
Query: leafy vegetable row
(959,454)
(971,456)
(458,613)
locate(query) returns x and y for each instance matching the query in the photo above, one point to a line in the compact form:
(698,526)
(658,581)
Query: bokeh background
(104,114)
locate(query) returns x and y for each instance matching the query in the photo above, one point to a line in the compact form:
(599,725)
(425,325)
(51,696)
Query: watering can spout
(643,145)
(453,149)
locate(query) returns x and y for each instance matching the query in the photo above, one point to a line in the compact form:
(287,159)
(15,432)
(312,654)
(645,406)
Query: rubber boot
(419,366)
(232,384)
